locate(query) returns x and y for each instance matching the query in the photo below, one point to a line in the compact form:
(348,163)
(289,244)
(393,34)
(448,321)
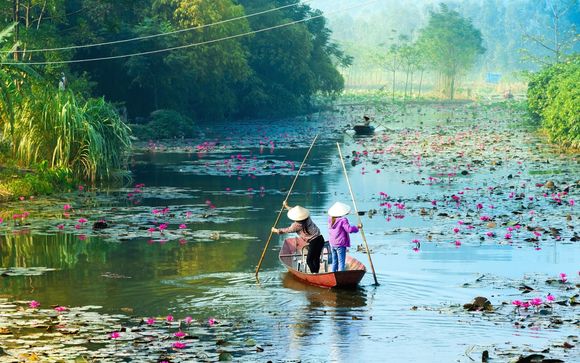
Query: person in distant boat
(308,231)
(339,230)
(367,120)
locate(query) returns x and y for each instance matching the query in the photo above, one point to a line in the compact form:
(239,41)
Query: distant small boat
(293,256)
(364,129)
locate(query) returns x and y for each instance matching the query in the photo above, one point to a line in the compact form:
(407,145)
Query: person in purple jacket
(339,230)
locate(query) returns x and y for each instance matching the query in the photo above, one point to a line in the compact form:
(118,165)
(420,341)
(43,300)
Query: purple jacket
(338,233)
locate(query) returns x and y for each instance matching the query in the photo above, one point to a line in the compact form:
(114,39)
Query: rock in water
(480,303)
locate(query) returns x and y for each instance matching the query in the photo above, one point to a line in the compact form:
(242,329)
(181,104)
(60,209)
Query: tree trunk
(452,87)
(420,83)
(16,19)
(406,82)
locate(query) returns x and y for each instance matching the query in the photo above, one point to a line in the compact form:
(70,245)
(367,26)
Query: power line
(189,45)
(153,35)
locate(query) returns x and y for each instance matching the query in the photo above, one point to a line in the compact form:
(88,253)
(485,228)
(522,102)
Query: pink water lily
(115,335)
(457,243)
(455,230)
(563,277)
(66,207)
(60,226)
(182,226)
(537,301)
(188,320)
(211,321)
(490,234)
(150,321)
(60,309)
(34,304)
(162,227)
(508,236)
(550,298)
(517,303)
(179,334)
(179,345)
(82,220)
(169,318)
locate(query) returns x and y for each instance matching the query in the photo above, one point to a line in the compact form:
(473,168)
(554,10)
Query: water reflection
(320,297)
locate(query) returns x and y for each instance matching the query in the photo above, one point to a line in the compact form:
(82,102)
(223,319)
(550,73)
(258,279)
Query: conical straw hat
(298,213)
(339,209)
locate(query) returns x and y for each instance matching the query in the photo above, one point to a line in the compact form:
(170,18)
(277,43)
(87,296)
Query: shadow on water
(336,298)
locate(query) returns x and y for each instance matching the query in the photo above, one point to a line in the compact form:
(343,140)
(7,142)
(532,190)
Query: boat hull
(293,258)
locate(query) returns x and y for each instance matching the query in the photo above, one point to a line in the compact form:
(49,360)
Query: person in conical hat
(339,230)
(308,231)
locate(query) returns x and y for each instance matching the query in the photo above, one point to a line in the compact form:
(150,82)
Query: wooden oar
(362,233)
(282,209)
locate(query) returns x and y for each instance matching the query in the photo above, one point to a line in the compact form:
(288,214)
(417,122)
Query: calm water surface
(290,320)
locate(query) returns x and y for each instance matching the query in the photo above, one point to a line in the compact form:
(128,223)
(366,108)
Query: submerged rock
(480,303)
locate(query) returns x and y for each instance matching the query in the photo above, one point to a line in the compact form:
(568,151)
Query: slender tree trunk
(452,87)
(16,19)
(406,82)
(41,14)
(420,82)
(394,72)
(411,86)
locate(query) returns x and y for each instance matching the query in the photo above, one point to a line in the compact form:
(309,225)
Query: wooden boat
(293,256)
(364,129)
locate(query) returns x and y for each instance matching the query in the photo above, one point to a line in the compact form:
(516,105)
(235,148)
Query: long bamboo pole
(282,209)
(362,232)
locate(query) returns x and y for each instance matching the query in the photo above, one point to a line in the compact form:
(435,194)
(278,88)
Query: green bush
(554,98)
(165,124)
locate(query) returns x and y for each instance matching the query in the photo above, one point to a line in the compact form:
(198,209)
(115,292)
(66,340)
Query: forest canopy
(263,73)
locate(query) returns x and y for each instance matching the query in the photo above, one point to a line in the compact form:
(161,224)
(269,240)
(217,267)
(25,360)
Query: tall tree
(451,43)
(555,38)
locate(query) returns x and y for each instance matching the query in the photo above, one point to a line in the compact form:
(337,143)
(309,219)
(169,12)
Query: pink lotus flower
(34,304)
(115,335)
(457,243)
(537,234)
(162,227)
(563,277)
(179,334)
(82,220)
(526,305)
(182,226)
(150,321)
(179,345)
(211,321)
(517,303)
(169,318)
(490,234)
(60,226)
(508,236)
(151,229)
(479,206)
(550,298)
(484,218)
(60,309)
(81,188)
(433,202)
(66,207)
(188,320)
(537,301)
(1,220)
(571,201)
(21,198)
(455,230)
(415,241)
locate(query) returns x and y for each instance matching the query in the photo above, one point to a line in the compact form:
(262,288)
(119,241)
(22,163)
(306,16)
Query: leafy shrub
(165,124)
(554,98)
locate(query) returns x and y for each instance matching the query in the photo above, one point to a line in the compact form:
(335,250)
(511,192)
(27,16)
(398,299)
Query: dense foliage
(251,73)
(56,132)
(554,98)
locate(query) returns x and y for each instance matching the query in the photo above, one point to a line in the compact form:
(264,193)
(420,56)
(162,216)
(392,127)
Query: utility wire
(190,45)
(153,35)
